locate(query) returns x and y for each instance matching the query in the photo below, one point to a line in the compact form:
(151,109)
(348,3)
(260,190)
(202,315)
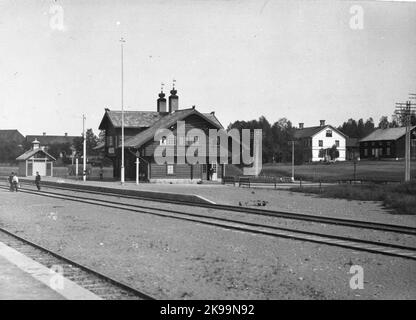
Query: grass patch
(365,170)
(400,197)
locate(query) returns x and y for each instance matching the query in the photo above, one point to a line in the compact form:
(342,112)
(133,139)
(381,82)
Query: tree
(333,152)
(60,150)
(384,122)
(354,129)
(92,141)
(10,150)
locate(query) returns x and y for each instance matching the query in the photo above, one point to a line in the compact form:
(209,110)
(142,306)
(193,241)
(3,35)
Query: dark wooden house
(387,143)
(140,128)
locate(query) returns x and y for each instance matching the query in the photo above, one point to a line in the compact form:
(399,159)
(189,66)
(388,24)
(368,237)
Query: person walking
(15,182)
(11,181)
(37,180)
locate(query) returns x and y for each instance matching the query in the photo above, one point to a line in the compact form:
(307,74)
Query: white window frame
(170,169)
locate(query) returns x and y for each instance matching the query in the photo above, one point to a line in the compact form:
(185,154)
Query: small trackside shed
(36,160)
(387,143)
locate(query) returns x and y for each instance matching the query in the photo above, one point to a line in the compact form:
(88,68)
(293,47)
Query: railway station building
(140,128)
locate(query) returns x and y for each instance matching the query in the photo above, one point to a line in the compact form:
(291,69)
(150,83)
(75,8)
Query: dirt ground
(168,258)
(283,200)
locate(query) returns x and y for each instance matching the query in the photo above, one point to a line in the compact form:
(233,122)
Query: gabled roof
(213,118)
(48,140)
(132,119)
(166,122)
(31,153)
(11,135)
(311,131)
(386,134)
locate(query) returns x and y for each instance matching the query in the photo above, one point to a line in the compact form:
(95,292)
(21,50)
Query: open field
(365,170)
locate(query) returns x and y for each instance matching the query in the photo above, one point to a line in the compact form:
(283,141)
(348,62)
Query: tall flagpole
(122,113)
(84,160)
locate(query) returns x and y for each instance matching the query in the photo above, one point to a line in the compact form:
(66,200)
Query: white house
(323,137)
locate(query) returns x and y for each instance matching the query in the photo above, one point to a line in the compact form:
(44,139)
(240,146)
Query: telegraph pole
(405,110)
(84,160)
(122,112)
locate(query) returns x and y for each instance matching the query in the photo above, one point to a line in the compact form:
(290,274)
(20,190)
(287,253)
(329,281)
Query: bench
(285,179)
(244,181)
(228,179)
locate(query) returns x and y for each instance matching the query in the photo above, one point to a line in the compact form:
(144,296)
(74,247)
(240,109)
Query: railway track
(270,213)
(102,285)
(248,227)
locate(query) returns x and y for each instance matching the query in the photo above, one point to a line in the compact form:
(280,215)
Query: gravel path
(174,259)
(283,200)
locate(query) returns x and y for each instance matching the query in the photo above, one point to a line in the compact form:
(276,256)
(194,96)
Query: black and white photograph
(224,152)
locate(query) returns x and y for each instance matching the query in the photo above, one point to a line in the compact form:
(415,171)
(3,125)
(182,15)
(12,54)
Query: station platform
(22,278)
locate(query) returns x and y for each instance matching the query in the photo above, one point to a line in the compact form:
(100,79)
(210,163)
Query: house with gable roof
(140,128)
(312,140)
(387,143)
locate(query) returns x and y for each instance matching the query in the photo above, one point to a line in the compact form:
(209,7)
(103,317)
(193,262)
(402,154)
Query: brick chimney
(322,123)
(44,133)
(173,100)
(66,134)
(300,125)
(161,102)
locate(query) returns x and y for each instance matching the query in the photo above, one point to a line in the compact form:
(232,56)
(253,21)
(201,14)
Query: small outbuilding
(36,160)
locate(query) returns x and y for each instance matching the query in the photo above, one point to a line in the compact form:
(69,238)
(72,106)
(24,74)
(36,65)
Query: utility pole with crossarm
(405,109)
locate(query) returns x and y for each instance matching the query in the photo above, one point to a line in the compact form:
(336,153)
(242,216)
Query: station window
(388,151)
(110,141)
(329,133)
(365,152)
(169,169)
(337,143)
(321,143)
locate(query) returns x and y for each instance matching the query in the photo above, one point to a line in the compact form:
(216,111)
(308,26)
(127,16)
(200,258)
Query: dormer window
(329,133)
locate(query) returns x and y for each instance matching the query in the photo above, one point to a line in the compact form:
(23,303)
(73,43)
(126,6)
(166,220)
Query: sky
(303,60)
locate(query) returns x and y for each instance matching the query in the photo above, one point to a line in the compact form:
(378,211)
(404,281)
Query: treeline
(275,139)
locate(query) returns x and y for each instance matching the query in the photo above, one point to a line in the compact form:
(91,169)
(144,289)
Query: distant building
(12,135)
(387,143)
(47,140)
(314,141)
(139,130)
(36,160)
(352,148)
